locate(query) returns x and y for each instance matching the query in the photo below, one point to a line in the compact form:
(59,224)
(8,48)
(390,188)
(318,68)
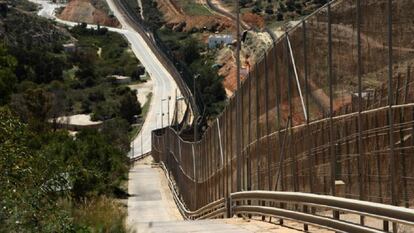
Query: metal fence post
(238,106)
(257,126)
(195,177)
(360,144)
(289,90)
(249,168)
(269,178)
(391,110)
(308,135)
(331,96)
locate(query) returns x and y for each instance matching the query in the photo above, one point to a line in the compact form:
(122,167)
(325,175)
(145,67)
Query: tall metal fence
(328,110)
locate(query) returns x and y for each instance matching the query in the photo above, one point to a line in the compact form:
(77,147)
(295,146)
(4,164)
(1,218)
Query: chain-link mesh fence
(328,110)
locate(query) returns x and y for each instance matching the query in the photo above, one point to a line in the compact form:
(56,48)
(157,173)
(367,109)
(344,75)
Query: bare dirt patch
(174,15)
(86,12)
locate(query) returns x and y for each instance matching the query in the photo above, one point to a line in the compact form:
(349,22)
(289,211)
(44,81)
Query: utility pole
(161,115)
(142,132)
(176,110)
(162,112)
(238,102)
(168,105)
(195,98)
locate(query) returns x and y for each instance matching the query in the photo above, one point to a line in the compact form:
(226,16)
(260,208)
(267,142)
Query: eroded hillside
(89,11)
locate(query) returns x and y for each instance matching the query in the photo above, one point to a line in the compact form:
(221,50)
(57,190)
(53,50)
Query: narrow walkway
(151,208)
(150,199)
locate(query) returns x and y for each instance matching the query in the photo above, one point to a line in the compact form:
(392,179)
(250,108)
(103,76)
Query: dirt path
(143,90)
(172,6)
(218,7)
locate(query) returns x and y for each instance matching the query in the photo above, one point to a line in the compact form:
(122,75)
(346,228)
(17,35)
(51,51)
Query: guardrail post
(229,206)
(195,178)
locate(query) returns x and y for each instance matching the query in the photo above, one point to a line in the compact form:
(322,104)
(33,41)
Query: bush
(269,9)
(100,214)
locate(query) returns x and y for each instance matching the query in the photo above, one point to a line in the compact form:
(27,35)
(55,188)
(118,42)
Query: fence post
(404,172)
(249,165)
(391,111)
(307,141)
(361,151)
(229,207)
(195,176)
(257,126)
(269,178)
(331,133)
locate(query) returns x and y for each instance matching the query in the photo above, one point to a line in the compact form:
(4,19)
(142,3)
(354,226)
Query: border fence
(329,109)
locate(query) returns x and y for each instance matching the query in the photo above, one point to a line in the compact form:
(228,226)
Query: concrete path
(151,209)
(150,199)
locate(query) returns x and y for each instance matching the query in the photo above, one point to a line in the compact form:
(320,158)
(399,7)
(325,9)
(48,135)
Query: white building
(217,40)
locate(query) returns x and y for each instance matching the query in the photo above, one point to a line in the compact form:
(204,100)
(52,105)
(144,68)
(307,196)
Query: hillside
(89,11)
(20,27)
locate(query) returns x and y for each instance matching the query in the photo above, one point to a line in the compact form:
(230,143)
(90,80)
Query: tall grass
(100,215)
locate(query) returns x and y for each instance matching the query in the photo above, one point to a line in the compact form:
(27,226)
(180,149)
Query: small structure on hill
(76,122)
(69,48)
(118,79)
(60,1)
(217,40)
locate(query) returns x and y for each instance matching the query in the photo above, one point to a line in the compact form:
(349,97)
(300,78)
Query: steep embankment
(88,11)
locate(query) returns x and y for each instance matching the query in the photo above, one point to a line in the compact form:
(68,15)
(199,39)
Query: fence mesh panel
(304,125)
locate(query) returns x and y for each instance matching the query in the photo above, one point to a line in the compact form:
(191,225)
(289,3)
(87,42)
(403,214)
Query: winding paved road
(164,84)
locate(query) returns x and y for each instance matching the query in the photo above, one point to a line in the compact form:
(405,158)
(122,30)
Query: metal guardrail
(252,202)
(212,210)
(263,203)
(139,157)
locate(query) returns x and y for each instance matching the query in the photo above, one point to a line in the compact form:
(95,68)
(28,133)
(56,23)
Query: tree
(243,3)
(130,107)
(36,107)
(136,74)
(28,196)
(269,9)
(116,132)
(7,76)
(101,166)
(211,84)
(190,51)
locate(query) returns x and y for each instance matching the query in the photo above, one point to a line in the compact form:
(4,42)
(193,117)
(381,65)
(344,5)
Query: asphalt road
(164,84)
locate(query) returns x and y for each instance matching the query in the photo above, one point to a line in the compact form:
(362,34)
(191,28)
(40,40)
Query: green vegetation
(193,8)
(115,58)
(191,58)
(275,11)
(41,171)
(51,181)
(76,82)
(133,133)
(153,17)
(101,214)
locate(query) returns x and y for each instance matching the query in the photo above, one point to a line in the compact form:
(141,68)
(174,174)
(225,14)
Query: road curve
(164,84)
